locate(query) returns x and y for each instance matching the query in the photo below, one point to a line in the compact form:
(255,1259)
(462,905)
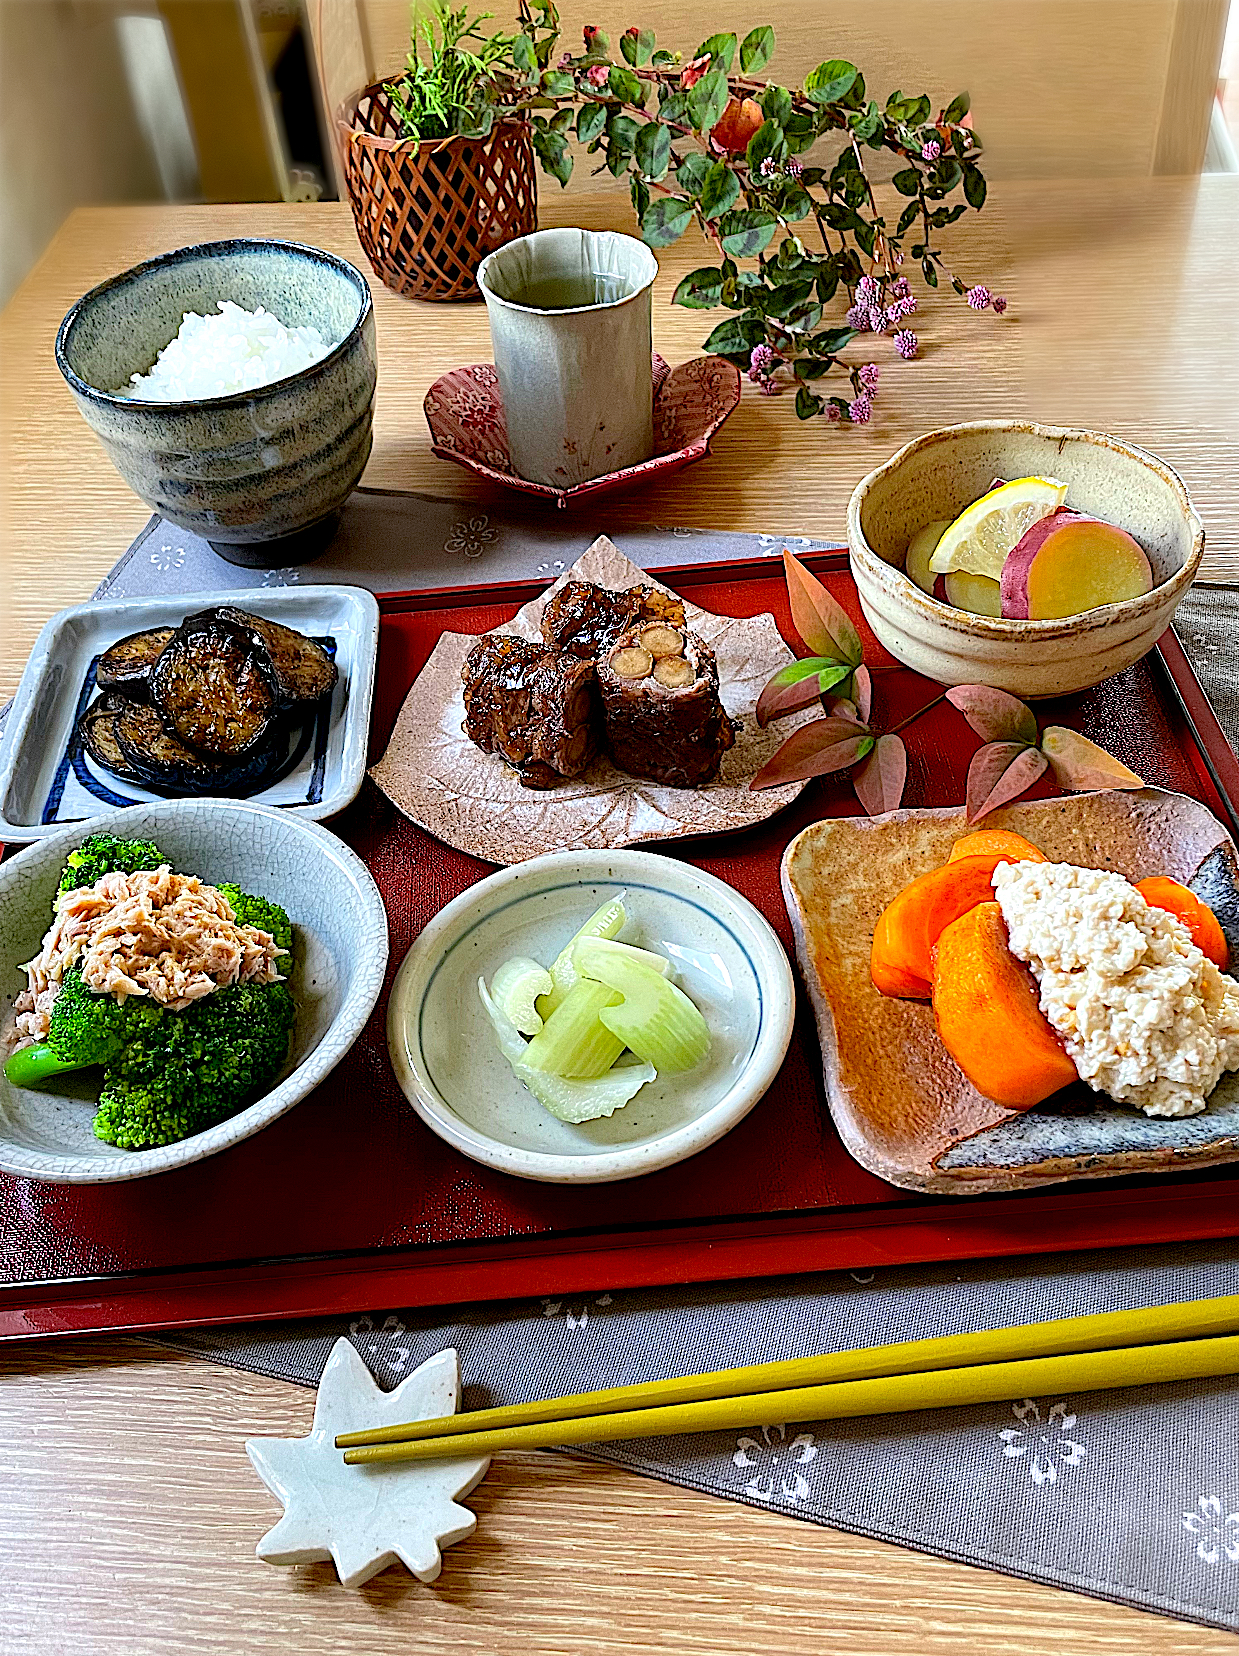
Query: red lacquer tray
(349,1203)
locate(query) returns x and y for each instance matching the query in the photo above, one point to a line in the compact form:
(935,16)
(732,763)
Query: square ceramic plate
(46,780)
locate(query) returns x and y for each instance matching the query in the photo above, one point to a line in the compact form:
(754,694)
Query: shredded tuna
(152,933)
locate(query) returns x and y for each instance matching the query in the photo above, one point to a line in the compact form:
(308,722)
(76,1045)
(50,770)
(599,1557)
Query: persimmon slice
(901,959)
(988,1015)
(1160,891)
(1001,842)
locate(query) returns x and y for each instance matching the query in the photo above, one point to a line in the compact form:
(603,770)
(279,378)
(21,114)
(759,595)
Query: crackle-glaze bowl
(940,474)
(339,957)
(261,474)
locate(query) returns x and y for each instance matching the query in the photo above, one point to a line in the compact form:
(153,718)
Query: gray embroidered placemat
(1131,1496)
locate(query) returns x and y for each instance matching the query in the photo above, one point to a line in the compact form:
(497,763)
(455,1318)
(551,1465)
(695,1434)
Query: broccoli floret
(87,1028)
(257,911)
(101,854)
(191,1069)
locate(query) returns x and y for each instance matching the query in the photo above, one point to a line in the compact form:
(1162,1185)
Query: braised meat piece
(661,707)
(585,620)
(536,709)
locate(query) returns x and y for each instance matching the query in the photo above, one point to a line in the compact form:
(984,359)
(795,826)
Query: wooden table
(128,1513)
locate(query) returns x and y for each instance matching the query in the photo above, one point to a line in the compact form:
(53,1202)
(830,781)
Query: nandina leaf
(814,750)
(798,685)
(862,693)
(999,773)
(822,622)
(1080,765)
(995,715)
(880,781)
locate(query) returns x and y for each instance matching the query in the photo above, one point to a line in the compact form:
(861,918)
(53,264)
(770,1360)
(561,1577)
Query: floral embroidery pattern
(775,1464)
(382,1341)
(1216,1531)
(1045,1442)
(575,1313)
(772,545)
(471,537)
(281,577)
(168,557)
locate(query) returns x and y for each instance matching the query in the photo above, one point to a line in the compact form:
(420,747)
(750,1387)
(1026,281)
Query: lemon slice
(980,538)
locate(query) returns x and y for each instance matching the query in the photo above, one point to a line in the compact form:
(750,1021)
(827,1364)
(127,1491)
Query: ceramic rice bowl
(261,474)
(940,474)
(339,957)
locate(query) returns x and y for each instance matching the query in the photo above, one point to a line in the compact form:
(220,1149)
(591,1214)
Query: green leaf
(622,131)
(557,83)
(766,143)
(618,159)
(653,149)
(747,232)
(866,236)
(907,216)
(590,121)
(523,55)
(929,273)
(868,126)
(907,181)
(756,49)
(628,48)
(776,103)
(809,368)
(640,194)
(782,300)
(663,58)
(947,174)
(798,685)
(476,121)
(957,109)
(700,289)
(832,340)
(736,334)
(721,51)
(552,151)
(625,86)
(645,46)
(831,80)
(665,221)
(708,99)
(674,108)
(795,203)
(561,120)
(804,316)
(974,187)
(692,172)
(719,190)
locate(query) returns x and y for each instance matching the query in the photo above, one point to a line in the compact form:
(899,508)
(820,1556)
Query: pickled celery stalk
(655,1019)
(516,986)
(606,921)
(571,1101)
(573,1041)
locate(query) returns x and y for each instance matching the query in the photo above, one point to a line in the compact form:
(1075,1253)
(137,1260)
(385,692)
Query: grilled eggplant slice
(127,666)
(97,730)
(161,761)
(214,688)
(302,670)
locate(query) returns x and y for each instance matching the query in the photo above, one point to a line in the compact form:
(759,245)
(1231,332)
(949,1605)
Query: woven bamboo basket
(428,213)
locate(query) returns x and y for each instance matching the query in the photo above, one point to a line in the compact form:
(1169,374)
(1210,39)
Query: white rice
(213,356)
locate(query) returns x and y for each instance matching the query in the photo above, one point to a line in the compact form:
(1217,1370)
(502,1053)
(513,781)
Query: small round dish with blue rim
(726,957)
(260,474)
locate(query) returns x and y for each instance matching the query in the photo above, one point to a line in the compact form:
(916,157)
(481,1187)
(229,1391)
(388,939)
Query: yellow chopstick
(891,1394)
(1189,1319)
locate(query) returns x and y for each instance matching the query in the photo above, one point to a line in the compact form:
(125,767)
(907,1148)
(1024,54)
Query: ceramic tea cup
(570,324)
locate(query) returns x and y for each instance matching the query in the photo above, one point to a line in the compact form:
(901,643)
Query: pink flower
(762,363)
(793,168)
(900,309)
(598,75)
(692,72)
(858,318)
(867,289)
(877,322)
(979,297)
(832,413)
(565,61)
(1000,304)
(901,288)
(768,168)
(860,410)
(906,344)
(770,388)
(931,151)
(868,377)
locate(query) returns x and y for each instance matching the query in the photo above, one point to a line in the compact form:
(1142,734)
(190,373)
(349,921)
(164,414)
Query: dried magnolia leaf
(815,749)
(880,781)
(995,715)
(862,693)
(798,685)
(1080,766)
(999,773)
(821,621)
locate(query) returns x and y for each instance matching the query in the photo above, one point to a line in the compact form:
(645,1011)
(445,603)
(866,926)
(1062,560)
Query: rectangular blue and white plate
(47,779)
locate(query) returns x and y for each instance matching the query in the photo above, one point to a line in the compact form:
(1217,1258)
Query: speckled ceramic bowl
(261,474)
(339,957)
(939,474)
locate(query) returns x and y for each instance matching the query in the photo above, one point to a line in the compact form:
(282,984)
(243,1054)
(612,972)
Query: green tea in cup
(570,292)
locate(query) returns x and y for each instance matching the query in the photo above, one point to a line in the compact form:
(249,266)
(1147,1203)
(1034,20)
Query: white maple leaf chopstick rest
(366,1517)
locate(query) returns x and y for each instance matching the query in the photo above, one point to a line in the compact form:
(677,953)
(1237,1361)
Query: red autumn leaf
(1080,765)
(736,125)
(798,685)
(692,72)
(814,750)
(999,773)
(862,693)
(880,781)
(822,622)
(995,715)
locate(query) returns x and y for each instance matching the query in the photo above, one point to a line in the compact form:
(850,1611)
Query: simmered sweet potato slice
(1000,842)
(1161,892)
(988,1015)
(908,928)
